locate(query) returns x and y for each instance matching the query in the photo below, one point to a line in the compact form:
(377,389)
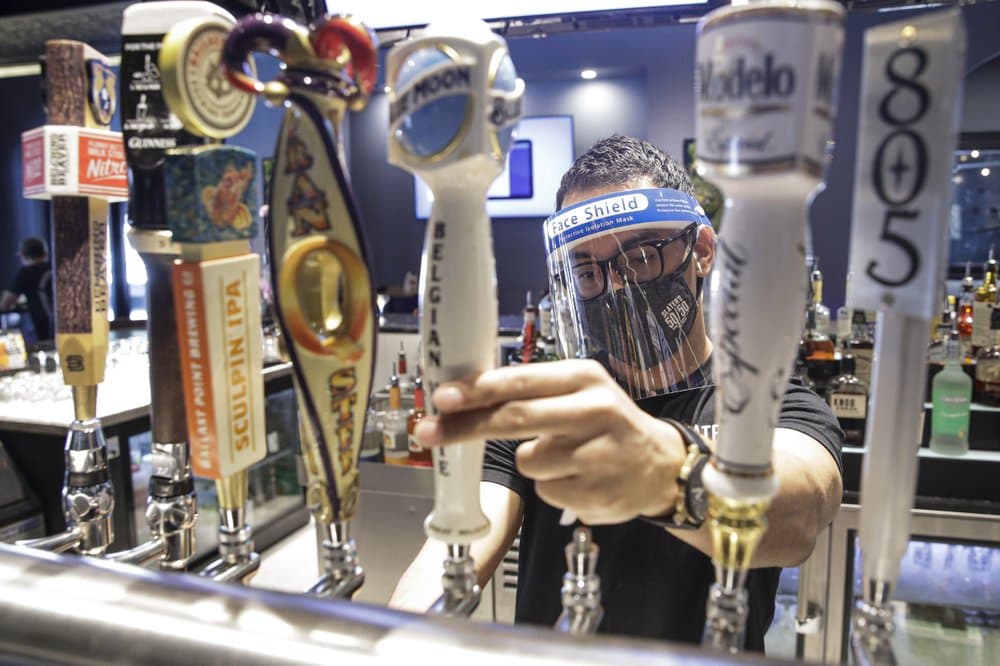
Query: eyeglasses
(643,262)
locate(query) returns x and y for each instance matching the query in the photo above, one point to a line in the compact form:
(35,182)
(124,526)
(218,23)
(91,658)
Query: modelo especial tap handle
(766,82)
(454,99)
(79,164)
(909,118)
(319,260)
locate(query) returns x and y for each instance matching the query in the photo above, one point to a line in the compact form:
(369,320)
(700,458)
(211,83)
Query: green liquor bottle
(951,398)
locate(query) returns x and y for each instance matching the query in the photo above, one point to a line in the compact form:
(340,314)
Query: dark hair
(34,248)
(623,160)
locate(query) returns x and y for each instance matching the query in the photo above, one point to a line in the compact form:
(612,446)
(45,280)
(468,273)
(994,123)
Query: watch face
(697,499)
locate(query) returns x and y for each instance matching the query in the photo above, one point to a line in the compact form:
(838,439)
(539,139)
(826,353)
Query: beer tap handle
(455,138)
(79,91)
(211,211)
(319,260)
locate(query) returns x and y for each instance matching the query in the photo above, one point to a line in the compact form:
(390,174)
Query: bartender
(619,433)
(33,282)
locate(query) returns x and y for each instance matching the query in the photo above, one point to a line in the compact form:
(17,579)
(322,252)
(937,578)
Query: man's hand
(592,450)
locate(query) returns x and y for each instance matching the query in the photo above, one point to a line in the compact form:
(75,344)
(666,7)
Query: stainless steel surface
(871,633)
(141,555)
(171,519)
(54,543)
(342,575)
(129,615)
(237,561)
(171,460)
(389,530)
(88,507)
(725,618)
(833,583)
(810,614)
(86,450)
(224,570)
(89,510)
(461,593)
(581,589)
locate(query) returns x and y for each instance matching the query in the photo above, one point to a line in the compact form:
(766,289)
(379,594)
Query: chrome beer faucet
(581,589)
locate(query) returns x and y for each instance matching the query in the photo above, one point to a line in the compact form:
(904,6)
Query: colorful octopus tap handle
(335,56)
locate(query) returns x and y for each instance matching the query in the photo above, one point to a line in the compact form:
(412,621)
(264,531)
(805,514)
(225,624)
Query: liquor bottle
(951,396)
(546,329)
(982,304)
(966,300)
(861,346)
(371,442)
(819,353)
(405,382)
(987,385)
(419,456)
(847,395)
(395,447)
(844,315)
(822,311)
(937,351)
(527,350)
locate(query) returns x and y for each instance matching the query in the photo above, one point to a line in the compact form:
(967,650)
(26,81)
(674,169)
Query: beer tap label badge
(149,127)
(910,110)
(765,90)
(195,84)
(103,95)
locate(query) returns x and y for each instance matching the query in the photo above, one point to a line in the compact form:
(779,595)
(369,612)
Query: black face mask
(643,325)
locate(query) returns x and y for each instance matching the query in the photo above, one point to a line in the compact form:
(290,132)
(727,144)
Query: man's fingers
(548,457)
(579,414)
(519,382)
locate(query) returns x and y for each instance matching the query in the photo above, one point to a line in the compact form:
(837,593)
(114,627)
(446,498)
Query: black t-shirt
(653,585)
(35,282)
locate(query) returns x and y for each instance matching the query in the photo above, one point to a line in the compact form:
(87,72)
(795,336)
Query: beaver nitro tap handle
(323,294)
(765,146)
(80,101)
(454,98)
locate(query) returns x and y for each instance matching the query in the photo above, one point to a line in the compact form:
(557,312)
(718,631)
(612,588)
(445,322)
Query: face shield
(625,291)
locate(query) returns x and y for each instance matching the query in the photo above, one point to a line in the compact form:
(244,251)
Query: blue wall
(647,90)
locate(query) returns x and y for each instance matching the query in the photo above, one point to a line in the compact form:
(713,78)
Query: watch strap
(698,454)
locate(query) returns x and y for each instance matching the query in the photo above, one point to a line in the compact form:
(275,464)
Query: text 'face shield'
(625,289)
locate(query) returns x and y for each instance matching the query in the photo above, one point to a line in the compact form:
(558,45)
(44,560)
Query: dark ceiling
(26,24)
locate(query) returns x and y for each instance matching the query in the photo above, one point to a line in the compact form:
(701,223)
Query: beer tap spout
(581,590)
(461,591)
(343,576)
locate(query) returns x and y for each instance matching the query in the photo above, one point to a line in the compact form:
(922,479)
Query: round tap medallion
(195,84)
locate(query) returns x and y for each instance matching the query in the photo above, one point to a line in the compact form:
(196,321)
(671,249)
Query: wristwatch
(691,504)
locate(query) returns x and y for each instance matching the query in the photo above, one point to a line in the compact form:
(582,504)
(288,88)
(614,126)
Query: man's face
(638,244)
(609,263)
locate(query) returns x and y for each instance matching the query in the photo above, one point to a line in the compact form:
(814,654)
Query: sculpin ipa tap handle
(319,259)
(77,163)
(150,130)
(766,84)
(454,99)
(211,210)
